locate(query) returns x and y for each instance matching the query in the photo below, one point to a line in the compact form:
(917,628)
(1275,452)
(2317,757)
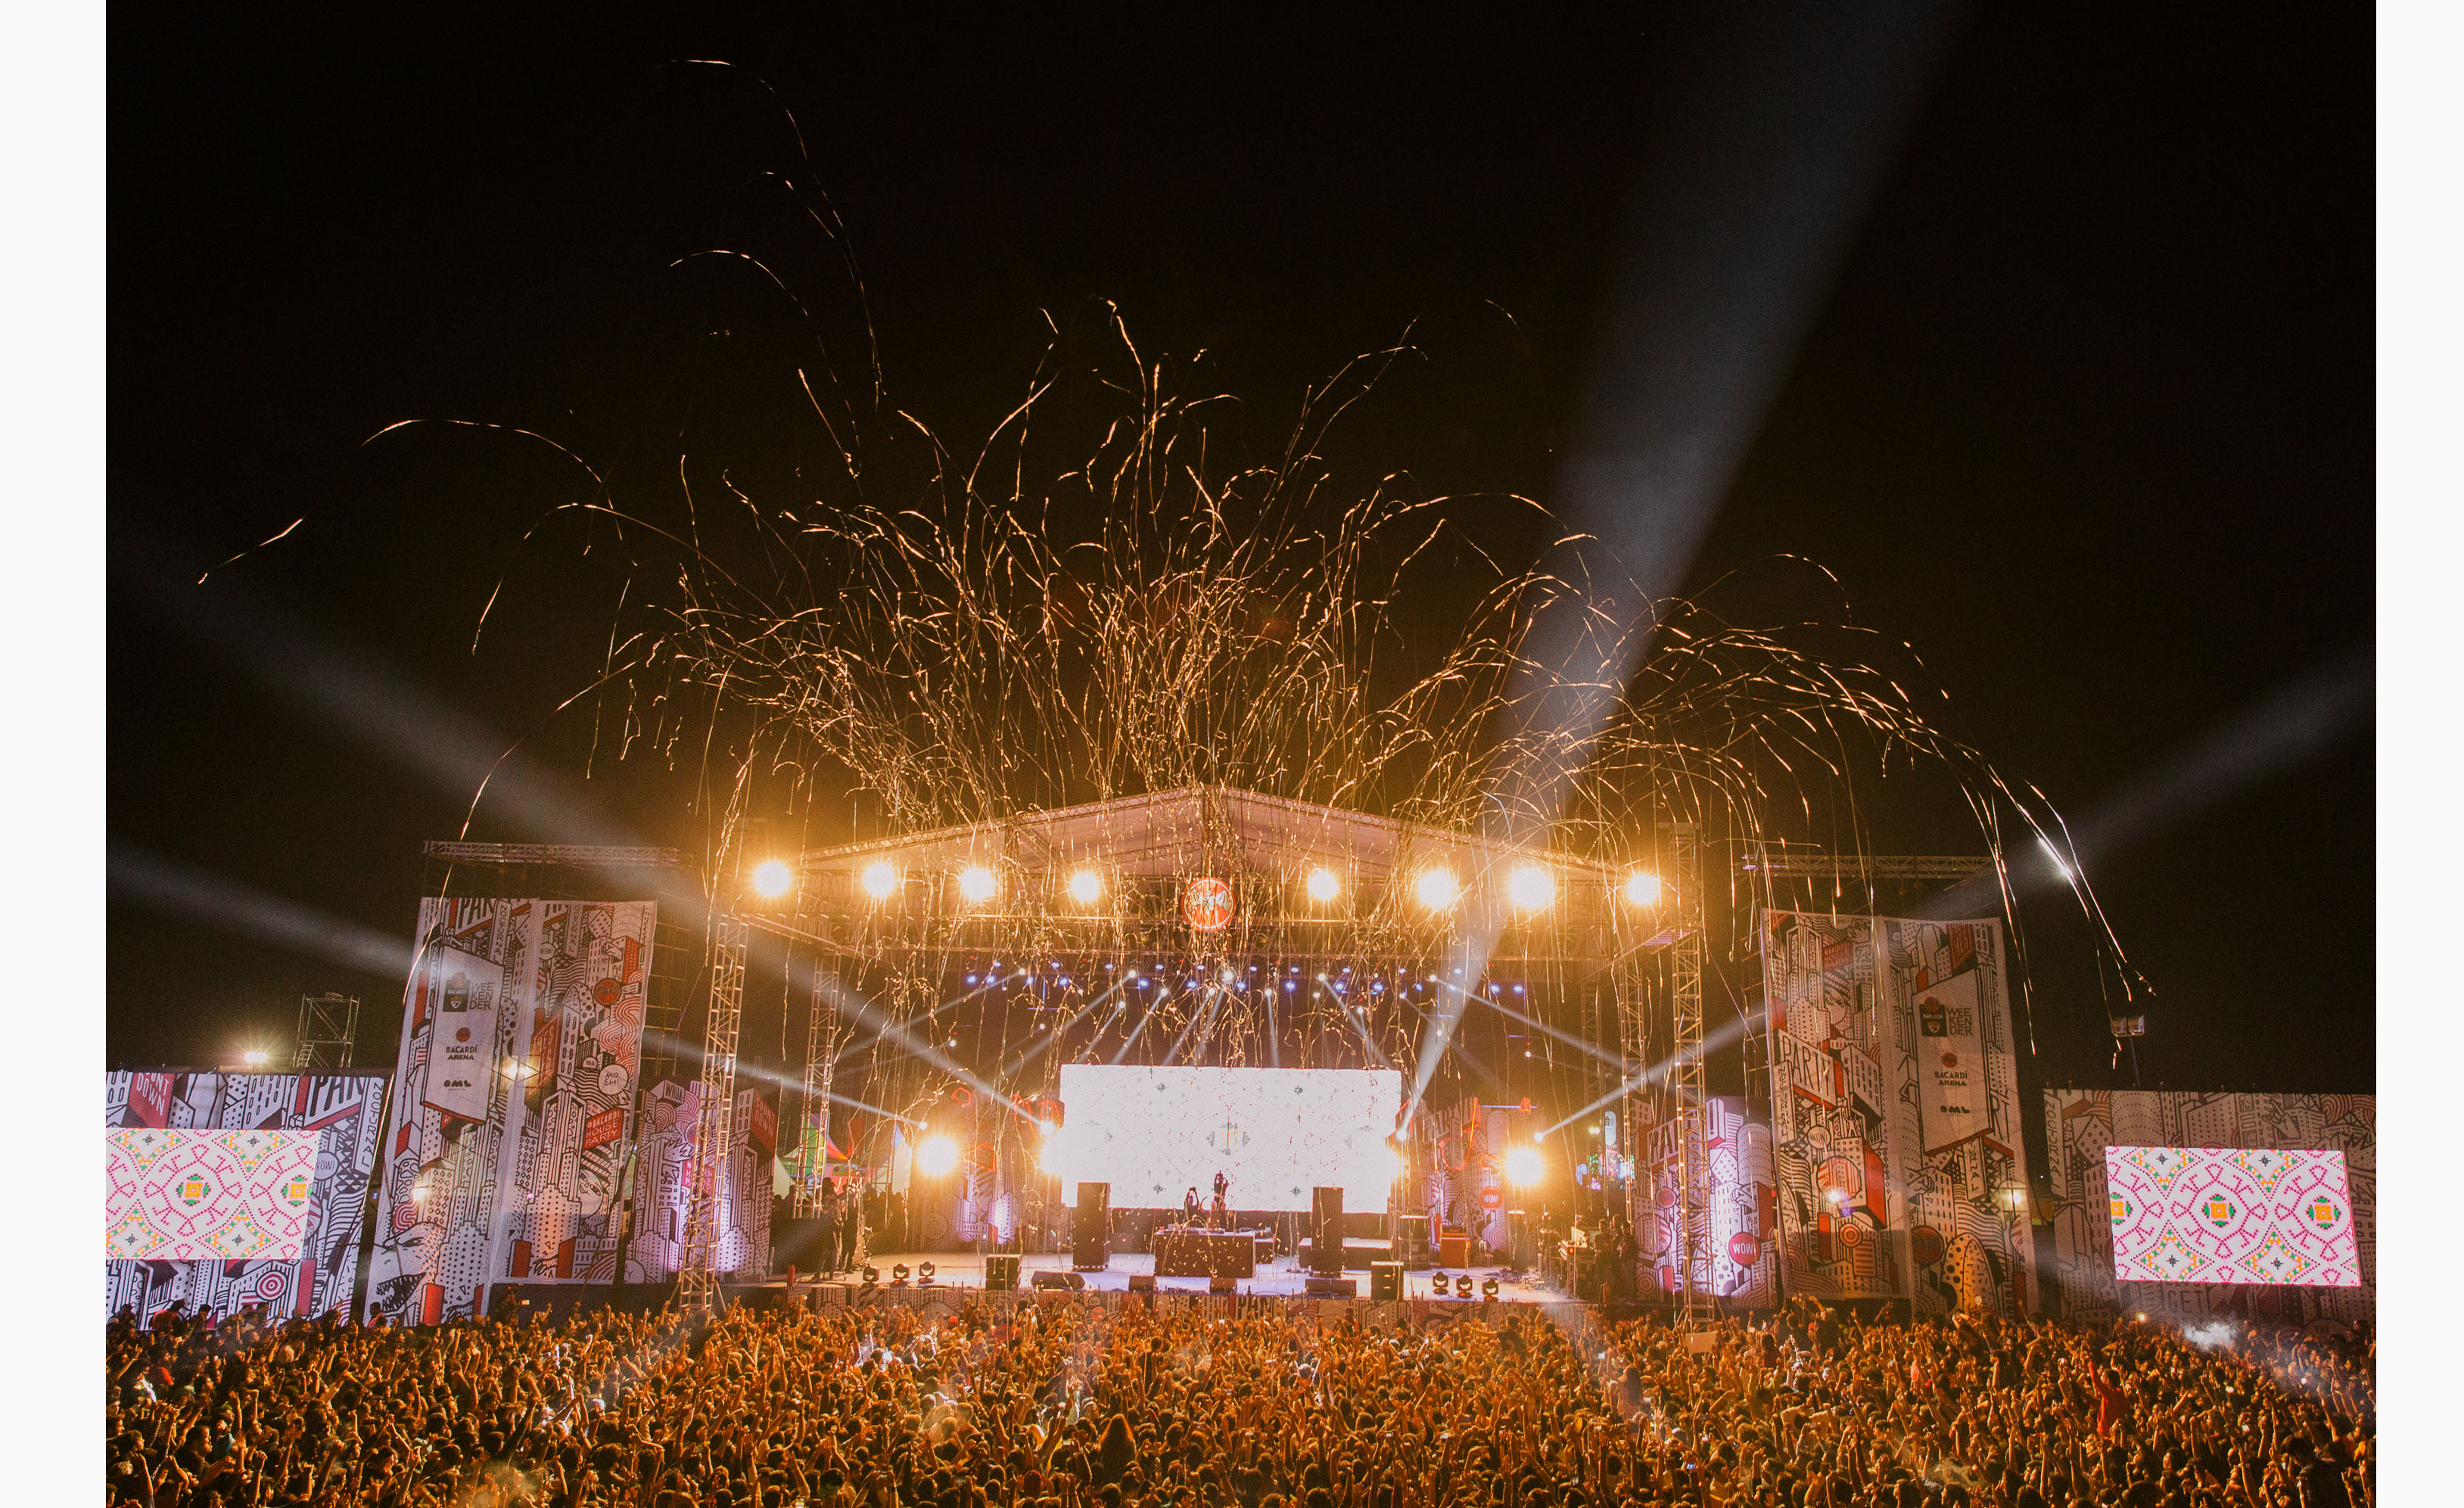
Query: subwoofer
(1000,1273)
(1326,1231)
(1090,1248)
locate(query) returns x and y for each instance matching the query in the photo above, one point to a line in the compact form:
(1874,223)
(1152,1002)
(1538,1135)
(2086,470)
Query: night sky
(2084,415)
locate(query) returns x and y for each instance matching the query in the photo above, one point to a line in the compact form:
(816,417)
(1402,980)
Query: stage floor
(1286,1276)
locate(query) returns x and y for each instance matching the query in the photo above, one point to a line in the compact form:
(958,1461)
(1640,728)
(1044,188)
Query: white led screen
(1276,1133)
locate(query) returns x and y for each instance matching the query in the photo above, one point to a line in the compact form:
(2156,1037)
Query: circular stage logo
(1925,1245)
(1743,1249)
(1206,905)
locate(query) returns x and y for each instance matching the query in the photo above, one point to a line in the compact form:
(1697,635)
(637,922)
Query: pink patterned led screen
(2227,1214)
(186,1196)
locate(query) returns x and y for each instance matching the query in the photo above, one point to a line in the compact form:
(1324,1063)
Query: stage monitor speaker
(1326,1231)
(1071,1280)
(1142,1282)
(1000,1273)
(1334,1287)
(1221,1285)
(1386,1281)
(1091,1250)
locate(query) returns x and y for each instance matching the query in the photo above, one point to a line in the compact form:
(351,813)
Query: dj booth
(1188,1251)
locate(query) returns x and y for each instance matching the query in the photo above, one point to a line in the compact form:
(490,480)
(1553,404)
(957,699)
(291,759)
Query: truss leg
(697,1270)
(820,1050)
(1685,1074)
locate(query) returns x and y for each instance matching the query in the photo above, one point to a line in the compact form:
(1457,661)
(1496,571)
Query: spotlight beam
(1727,1032)
(1537,1024)
(167,886)
(652,1035)
(1765,139)
(865,1013)
(1010,1070)
(2298,722)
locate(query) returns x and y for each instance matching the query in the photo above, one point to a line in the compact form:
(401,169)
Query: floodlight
(1643,888)
(254,1058)
(1086,888)
(1323,885)
(976,884)
(935,1155)
(880,880)
(1524,1166)
(772,879)
(1437,887)
(1531,887)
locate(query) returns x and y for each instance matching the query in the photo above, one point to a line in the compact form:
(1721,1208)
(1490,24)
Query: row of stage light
(1530,888)
(1153,977)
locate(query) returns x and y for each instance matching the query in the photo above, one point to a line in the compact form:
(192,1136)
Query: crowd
(1071,1402)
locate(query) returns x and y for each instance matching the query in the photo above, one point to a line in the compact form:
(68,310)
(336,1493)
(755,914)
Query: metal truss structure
(329,1024)
(697,1263)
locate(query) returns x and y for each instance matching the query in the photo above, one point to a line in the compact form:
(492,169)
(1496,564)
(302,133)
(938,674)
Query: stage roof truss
(1144,849)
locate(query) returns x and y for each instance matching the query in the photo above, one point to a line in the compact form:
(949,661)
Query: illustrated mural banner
(1895,1111)
(1736,1199)
(334,1115)
(2152,1212)
(514,1092)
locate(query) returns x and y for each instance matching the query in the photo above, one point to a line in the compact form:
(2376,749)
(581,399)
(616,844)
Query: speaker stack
(1326,1231)
(1000,1273)
(1521,1250)
(1386,1281)
(1412,1242)
(1090,1248)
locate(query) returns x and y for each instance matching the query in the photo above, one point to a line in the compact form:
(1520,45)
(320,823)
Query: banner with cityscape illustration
(1736,1203)
(1895,1111)
(310,1270)
(2204,1205)
(514,1099)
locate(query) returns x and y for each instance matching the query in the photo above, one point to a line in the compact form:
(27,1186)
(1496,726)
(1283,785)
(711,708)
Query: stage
(1285,1277)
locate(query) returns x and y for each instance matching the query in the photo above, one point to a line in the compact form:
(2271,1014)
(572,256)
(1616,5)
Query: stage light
(772,879)
(1086,888)
(1524,1166)
(880,880)
(254,1058)
(1531,887)
(1436,887)
(976,884)
(1643,888)
(1323,885)
(935,1155)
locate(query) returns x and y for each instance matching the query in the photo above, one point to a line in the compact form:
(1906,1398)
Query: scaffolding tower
(329,1024)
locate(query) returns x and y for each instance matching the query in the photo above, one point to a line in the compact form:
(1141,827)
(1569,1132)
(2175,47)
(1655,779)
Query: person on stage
(1220,1213)
(1190,1207)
